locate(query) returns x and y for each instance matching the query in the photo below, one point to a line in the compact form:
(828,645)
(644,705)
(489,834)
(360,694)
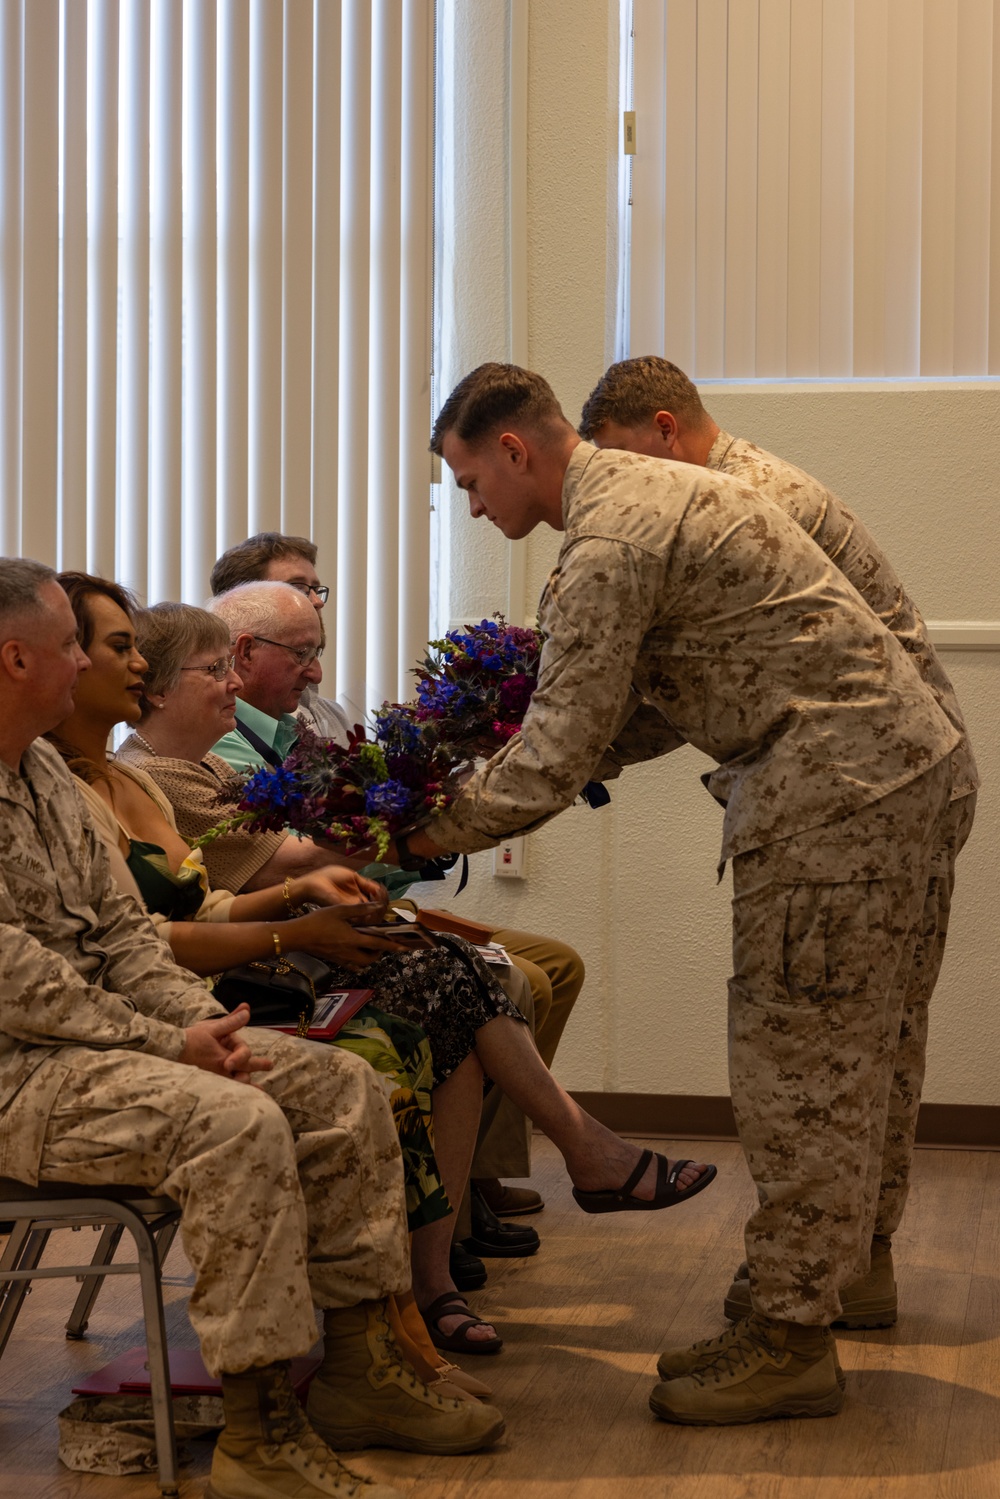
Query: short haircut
(79,587)
(20,582)
(493,396)
(632,391)
(167,634)
(255,608)
(247,561)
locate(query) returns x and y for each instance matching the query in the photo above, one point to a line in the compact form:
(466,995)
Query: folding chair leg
(103,1255)
(30,1249)
(164,1236)
(156,1346)
(9,1258)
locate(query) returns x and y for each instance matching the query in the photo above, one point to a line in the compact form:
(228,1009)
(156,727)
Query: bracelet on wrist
(277,944)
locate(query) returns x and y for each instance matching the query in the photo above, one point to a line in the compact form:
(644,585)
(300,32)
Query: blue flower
(387,799)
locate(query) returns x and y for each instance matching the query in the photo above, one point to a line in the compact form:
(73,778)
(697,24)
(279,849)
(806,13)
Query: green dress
(397,1049)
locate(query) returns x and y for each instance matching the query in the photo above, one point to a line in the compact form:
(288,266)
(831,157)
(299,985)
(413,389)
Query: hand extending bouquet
(473,690)
(351,798)
(475,684)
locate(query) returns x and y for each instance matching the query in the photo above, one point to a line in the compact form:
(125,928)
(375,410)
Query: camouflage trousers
(292,1191)
(825,926)
(911,1049)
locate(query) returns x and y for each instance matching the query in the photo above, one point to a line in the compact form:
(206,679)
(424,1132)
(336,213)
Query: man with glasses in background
(271,557)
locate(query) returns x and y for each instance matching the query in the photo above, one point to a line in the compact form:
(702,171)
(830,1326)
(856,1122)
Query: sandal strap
(625,1190)
(678,1168)
(451,1304)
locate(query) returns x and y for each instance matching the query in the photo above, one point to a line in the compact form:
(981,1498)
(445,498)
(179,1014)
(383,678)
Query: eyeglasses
(303,654)
(321,591)
(219,669)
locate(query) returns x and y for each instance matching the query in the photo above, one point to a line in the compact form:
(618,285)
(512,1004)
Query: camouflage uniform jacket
(849,544)
(684,608)
(80,964)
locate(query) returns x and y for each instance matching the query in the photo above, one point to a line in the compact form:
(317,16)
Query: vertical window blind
(215,310)
(816,190)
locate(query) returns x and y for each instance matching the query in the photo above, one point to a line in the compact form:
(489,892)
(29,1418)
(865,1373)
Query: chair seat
(12,1192)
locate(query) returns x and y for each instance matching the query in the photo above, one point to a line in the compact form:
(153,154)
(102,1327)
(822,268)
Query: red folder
(128,1374)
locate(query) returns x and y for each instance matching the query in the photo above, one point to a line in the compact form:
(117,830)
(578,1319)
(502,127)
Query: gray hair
(167,634)
(256,608)
(20,582)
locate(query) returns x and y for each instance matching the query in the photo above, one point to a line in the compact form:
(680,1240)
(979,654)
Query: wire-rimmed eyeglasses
(303,654)
(218,669)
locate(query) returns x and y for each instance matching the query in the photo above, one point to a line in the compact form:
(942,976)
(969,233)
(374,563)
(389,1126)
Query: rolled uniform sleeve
(594,613)
(44,1000)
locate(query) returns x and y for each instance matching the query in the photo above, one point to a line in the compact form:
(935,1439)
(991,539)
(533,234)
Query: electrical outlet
(508,859)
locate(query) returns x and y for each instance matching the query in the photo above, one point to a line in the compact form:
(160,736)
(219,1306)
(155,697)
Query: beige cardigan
(217,903)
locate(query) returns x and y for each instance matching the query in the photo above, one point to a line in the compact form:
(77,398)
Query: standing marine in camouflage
(117,1066)
(647,405)
(685,608)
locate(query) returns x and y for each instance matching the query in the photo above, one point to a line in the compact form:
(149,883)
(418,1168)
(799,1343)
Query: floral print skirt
(447,990)
(400,1053)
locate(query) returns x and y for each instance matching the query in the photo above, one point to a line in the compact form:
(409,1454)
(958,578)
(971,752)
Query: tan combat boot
(268,1450)
(676,1363)
(365,1394)
(868,1302)
(758,1371)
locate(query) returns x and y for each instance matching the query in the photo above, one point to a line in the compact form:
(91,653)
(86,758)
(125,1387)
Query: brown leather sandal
(454,1304)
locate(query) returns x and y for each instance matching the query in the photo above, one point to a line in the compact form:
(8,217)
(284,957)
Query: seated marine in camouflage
(116,1066)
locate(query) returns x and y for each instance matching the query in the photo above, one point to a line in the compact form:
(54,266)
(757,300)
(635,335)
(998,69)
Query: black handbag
(279,990)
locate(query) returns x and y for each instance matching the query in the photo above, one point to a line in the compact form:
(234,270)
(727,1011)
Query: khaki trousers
(825,927)
(292,1191)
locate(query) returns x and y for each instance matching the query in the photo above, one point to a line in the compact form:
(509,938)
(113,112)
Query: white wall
(633,885)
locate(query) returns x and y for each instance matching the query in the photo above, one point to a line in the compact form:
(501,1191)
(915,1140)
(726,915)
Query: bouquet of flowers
(475,684)
(354,797)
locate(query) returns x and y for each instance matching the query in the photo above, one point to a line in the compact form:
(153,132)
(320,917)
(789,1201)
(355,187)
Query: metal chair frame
(152,1221)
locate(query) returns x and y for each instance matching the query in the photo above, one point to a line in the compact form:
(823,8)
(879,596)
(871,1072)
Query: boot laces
(743,1344)
(392,1355)
(288,1423)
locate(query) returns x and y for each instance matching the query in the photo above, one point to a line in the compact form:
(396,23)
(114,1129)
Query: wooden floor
(584,1321)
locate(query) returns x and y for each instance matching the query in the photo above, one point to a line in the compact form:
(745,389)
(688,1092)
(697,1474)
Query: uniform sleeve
(594,614)
(139,963)
(645,735)
(44,1000)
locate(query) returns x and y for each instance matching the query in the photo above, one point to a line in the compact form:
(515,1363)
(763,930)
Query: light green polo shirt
(280,733)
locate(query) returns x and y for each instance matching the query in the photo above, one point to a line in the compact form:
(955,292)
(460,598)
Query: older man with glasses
(276,642)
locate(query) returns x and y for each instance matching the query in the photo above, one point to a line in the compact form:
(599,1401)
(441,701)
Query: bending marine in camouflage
(116,1066)
(685,608)
(647,405)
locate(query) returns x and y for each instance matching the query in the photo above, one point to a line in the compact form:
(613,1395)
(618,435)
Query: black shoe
(468,1272)
(495,1240)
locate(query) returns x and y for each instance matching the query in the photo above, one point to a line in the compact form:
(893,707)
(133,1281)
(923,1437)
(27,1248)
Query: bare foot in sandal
(456,1329)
